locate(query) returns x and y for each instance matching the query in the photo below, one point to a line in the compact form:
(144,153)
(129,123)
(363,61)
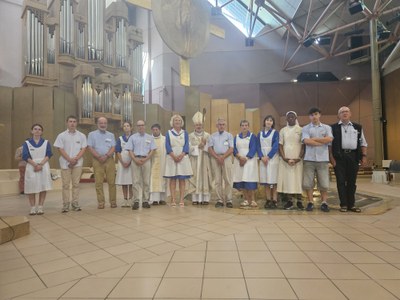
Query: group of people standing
(150,165)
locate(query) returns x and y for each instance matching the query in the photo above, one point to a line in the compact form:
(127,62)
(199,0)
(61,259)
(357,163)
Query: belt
(140,156)
(349,150)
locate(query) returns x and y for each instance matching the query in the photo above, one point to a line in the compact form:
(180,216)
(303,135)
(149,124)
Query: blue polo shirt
(316,153)
(141,144)
(220,141)
(101,141)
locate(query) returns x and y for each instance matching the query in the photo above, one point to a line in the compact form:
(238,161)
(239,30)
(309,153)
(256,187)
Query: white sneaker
(33,211)
(65,208)
(125,204)
(244,203)
(39,210)
(253,204)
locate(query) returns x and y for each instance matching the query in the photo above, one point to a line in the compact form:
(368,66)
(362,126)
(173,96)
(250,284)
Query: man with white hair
(200,183)
(348,150)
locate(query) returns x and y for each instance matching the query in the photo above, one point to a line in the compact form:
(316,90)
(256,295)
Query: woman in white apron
(245,165)
(177,165)
(36,152)
(124,173)
(268,151)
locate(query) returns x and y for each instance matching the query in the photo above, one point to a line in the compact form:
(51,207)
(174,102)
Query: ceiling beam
(307,19)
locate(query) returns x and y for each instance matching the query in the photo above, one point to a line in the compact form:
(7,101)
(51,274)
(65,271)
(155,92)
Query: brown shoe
(100,206)
(113,205)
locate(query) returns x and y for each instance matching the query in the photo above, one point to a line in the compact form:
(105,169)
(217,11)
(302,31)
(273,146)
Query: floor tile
(185,270)
(313,246)
(316,289)
(362,257)
(20,287)
(301,270)
(222,256)
(325,257)
(380,271)
(392,257)
(189,256)
(392,286)
(132,288)
(103,265)
(221,246)
(262,270)
(15,275)
(287,246)
(64,276)
(363,290)
(223,270)
(224,288)
(147,270)
(342,271)
(91,288)
(290,256)
(252,246)
(270,289)
(179,288)
(54,265)
(256,256)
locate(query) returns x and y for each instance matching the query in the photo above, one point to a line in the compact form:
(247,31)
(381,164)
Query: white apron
(36,182)
(124,175)
(249,172)
(183,168)
(269,172)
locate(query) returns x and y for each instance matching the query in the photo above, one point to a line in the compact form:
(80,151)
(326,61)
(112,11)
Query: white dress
(124,175)
(183,168)
(249,172)
(290,177)
(269,172)
(36,182)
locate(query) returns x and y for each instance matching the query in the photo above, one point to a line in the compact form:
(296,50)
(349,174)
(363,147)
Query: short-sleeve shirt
(101,141)
(72,143)
(316,153)
(141,145)
(220,141)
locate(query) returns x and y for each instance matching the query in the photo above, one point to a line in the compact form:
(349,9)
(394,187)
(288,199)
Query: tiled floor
(202,253)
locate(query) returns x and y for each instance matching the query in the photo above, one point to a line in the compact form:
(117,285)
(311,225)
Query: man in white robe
(158,184)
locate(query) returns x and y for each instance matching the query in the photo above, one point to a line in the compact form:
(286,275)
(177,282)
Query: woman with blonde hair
(178,166)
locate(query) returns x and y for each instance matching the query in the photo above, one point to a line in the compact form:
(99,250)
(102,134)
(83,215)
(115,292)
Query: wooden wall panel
(192,105)
(236,113)
(22,116)
(205,103)
(6,153)
(392,108)
(253,116)
(219,109)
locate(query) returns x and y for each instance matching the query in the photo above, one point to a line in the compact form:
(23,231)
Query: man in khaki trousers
(72,145)
(101,144)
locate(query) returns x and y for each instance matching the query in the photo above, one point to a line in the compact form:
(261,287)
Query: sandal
(355,209)
(173,204)
(253,204)
(182,204)
(343,209)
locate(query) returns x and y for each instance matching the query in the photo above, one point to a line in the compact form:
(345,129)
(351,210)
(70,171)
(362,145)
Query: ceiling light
(346,78)
(308,41)
(355,6)
(249,42)
(293,80)
(323,40)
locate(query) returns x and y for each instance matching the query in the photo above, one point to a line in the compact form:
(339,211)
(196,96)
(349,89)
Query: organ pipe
(35,43)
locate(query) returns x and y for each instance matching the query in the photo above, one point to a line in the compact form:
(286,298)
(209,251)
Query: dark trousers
(346,175)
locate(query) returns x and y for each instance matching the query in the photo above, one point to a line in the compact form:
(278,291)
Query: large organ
(88,49)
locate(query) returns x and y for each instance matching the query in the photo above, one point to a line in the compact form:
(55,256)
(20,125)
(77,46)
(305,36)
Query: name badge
(108,140)
(226,143)
(148,141)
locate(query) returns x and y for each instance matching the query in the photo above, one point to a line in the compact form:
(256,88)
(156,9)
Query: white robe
(200,183)
(124,175)
(36,182)
(290,177)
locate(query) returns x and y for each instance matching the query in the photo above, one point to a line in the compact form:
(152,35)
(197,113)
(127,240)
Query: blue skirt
(178,177)
(245,185)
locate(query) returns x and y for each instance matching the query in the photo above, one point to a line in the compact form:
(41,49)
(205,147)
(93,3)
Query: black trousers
(346,175)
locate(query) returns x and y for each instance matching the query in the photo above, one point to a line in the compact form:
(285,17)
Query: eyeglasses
(139,125)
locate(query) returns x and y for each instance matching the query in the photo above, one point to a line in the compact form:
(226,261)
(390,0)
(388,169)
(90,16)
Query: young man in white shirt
(72,145)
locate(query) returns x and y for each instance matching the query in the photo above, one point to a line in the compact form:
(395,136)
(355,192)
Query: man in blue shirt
(317,137)
(141,147)
(220,147)
(101,144)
